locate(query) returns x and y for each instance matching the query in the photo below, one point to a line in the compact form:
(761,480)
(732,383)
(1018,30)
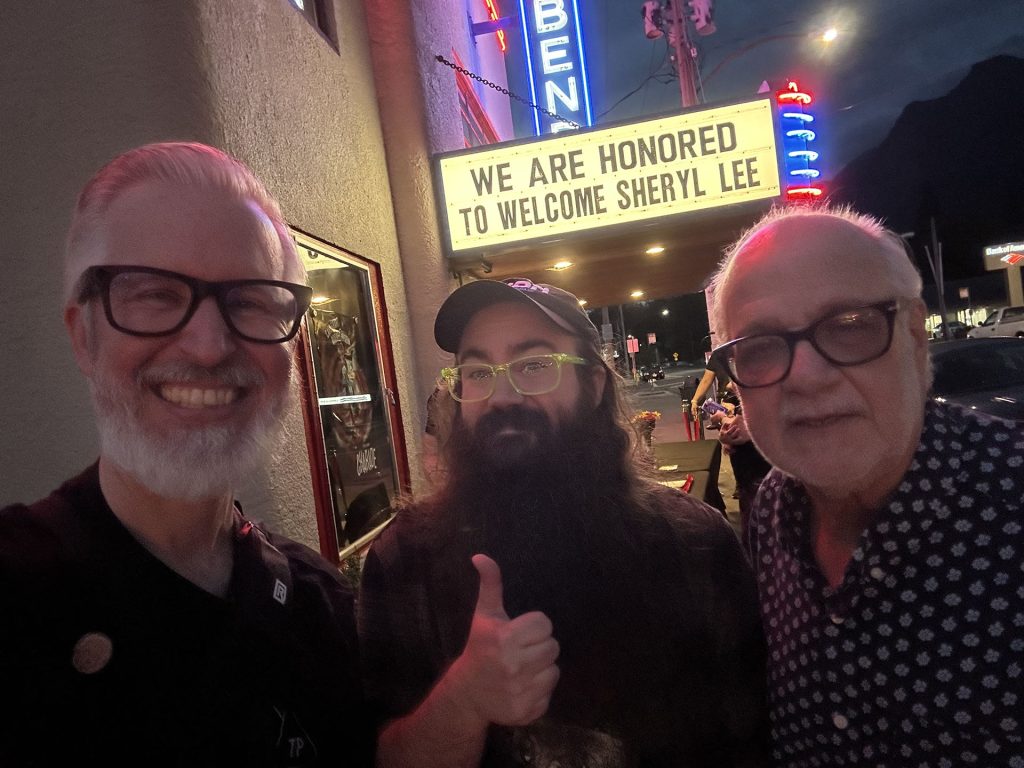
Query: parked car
(957,330)
(1006,321)
(984,374)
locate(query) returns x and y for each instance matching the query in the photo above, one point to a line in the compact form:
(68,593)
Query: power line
(655,75)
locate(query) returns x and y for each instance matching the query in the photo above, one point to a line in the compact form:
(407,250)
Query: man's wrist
(453,697)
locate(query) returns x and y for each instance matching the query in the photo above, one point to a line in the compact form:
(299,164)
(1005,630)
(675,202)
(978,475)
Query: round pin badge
(91,653)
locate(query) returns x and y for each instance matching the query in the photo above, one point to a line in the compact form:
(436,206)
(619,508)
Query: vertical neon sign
(555,64)
(492,14)
(797,135)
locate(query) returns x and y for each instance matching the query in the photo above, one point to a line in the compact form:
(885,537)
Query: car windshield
(971,368)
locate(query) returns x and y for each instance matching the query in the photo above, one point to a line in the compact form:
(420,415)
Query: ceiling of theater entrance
(607,268)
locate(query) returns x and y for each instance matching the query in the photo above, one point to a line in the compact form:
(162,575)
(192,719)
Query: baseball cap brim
(459,308)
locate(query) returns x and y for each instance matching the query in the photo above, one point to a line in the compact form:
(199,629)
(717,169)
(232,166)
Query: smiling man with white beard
(551,604)
(145,620)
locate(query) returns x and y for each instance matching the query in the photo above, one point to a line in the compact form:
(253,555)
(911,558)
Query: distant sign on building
(1003,256)
(585,180)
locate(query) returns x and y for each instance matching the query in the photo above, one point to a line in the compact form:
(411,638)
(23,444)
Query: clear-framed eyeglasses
(533,375)
(845,338)
(145,301)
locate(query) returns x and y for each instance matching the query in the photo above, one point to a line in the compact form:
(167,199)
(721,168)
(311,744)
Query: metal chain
(505,91)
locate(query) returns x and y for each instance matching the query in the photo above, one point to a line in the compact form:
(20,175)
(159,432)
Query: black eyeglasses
(145,301)
(850,337)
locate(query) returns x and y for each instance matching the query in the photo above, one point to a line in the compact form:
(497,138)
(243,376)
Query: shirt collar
(899,525)
(261,580)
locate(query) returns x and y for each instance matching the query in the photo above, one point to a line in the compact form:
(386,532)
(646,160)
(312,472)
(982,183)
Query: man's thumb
(491,600)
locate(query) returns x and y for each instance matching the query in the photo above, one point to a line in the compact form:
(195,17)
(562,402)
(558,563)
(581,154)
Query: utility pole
(625,344)
(935,262)
(685,64)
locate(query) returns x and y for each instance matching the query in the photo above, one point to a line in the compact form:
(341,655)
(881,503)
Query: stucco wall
(419,108)
(304,116)
(83,81)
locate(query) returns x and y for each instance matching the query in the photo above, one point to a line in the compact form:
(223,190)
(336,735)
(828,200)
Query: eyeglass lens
(143,302)
(848,338)
(529,376)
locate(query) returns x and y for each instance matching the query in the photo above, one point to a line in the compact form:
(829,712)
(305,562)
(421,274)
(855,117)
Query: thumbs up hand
(506,673)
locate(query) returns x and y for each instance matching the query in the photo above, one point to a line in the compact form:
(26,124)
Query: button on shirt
(917,657)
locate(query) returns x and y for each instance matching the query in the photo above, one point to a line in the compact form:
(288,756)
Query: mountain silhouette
(958,158)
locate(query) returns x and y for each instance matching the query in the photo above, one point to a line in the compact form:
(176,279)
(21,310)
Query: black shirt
(108,655)
(670,674)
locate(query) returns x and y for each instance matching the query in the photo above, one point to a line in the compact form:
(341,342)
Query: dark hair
(620,438)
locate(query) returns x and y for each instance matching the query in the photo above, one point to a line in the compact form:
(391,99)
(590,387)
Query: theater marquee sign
(571,182)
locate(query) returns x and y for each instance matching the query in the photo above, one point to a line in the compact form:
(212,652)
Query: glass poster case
(356,451)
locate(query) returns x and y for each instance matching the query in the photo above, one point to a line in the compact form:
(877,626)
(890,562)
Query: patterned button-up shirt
(917,657)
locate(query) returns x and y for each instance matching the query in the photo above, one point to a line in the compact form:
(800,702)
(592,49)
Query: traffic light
(653,21)
(702,16)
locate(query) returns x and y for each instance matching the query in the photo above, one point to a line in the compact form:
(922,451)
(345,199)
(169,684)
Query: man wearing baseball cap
(551,604)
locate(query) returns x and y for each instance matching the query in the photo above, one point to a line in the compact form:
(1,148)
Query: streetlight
(827,36)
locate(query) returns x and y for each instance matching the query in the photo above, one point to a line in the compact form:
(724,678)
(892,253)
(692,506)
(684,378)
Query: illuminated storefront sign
(1003,256)
(595,178)
(555,63)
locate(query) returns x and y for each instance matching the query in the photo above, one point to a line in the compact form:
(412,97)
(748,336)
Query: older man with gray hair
(888,540)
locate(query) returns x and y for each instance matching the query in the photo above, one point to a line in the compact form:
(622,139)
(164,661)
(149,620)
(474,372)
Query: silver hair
(182,163)
(902,272)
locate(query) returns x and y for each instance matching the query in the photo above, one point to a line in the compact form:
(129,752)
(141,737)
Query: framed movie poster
(356,451)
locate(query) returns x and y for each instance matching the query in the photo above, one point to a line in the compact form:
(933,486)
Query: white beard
(187,463)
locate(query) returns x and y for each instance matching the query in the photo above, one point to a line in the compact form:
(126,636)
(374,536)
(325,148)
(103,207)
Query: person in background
(146,621)
(703,392)
(888,540)
(437,429)
(551,605)
(749,467)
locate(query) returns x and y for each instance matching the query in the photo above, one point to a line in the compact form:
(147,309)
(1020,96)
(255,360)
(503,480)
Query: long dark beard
(579,536)
(556,518)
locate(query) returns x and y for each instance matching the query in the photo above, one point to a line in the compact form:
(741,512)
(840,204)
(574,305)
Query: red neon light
(492,13)
(804,191)
(793,95)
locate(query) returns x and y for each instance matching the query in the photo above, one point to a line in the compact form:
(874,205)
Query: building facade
(336,105)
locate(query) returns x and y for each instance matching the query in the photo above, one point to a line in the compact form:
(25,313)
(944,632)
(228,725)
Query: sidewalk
(670,429)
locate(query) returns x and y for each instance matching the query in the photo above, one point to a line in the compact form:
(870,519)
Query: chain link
(505,91)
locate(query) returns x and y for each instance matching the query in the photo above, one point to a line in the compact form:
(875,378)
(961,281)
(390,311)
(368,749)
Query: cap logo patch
(527,285)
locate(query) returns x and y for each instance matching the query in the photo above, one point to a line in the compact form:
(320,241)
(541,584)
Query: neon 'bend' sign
(555,63)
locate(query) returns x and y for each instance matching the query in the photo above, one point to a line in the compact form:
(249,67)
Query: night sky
(888,54)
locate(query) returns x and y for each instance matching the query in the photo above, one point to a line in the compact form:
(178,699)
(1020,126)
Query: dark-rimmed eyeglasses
(533,375)
(145,301)
(849,337)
